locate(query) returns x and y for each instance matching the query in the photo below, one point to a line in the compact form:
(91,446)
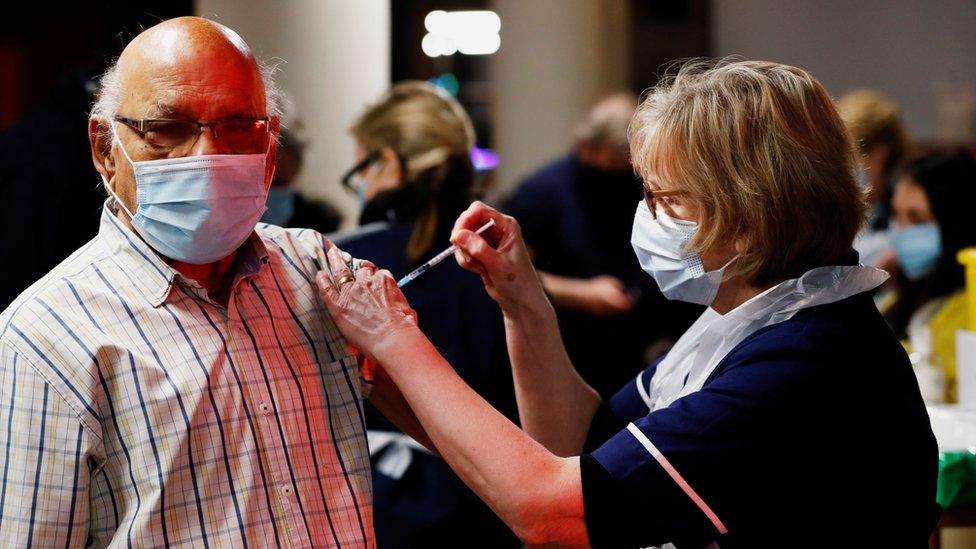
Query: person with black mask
(932,221)
(414,177)
(576,215)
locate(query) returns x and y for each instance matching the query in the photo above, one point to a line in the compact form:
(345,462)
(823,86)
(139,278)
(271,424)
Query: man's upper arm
(44,470)
(314,246)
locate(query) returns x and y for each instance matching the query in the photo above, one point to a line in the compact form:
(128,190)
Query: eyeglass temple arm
(133,123)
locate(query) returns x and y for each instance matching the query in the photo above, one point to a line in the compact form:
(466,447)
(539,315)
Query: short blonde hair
(872,118)
(762,152)
(431,133)
(420,122)
(874,121)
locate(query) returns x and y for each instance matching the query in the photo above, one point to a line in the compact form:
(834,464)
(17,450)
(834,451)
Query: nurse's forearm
(536,493)
(555,405)
(386,398)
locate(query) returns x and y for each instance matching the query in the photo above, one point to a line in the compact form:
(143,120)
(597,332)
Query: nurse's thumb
(478,249)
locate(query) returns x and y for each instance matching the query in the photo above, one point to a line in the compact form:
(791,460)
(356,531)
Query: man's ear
(272,161)
(100,139)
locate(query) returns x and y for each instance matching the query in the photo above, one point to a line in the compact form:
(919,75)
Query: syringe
(438,258)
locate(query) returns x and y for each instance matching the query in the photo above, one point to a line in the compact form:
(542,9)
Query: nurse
(788,415)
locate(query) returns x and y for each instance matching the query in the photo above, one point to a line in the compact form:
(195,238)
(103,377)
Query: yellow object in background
(967,257)
(951,316)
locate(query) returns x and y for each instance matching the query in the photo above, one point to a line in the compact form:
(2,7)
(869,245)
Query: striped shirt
(135,411)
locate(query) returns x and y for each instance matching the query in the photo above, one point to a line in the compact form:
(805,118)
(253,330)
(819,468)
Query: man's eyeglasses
(650,195)
(240,134)
(349,176)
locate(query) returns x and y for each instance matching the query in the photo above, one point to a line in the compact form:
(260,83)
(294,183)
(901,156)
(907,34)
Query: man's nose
(206,143)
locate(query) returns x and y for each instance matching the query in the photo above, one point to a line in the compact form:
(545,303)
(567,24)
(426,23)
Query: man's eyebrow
(167,110)
(162,110)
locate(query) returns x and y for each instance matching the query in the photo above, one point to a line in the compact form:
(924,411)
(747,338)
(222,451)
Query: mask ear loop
(274,167)
(111,191)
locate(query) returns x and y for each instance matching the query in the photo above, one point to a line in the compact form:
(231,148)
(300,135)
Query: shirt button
(265,408)
(286,490)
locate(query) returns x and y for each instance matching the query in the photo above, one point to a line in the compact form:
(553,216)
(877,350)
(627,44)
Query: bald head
(185,56)
(601,138)
(182,39)
(606,123)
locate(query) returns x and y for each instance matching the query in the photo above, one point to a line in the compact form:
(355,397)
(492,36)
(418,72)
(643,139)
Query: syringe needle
(439,257)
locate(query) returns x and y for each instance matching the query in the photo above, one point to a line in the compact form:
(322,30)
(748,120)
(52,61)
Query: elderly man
(177,380)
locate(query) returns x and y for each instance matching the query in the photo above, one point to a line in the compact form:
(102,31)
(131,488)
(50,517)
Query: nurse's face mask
(198,209)
(661,245)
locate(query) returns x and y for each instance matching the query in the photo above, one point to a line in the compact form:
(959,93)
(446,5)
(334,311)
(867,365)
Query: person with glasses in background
(414,176)
(178,381)
(787,415)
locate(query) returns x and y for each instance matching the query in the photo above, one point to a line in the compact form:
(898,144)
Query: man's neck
(216,278)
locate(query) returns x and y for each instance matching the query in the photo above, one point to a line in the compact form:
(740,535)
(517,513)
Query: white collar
(713,336)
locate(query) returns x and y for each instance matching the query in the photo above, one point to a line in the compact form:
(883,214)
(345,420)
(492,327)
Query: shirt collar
(710,339)
(147,270)
(818,286)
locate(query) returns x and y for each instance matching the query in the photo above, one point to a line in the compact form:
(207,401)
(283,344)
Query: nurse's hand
(500,256)
(367,307)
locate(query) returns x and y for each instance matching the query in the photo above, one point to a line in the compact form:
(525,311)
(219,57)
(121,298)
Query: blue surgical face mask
(281,206)
(197,209)
(661,247)
(918,248)
(359,183)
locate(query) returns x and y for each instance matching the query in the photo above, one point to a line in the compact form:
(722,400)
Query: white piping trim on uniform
(641,391)
(678,479)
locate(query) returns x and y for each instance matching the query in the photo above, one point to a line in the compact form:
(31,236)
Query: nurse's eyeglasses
(651,195)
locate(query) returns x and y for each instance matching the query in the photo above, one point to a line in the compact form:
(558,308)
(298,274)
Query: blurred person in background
(48,187)
(933,207)
(287,207)
(414,176)
(576,217)
(875,123)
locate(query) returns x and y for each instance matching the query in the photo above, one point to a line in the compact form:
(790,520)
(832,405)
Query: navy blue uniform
(811,432)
